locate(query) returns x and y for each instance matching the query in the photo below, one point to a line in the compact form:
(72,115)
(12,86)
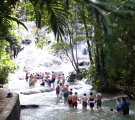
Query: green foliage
(25,11)
(7,37)
(41,43)
(92,74)
(6,64)
(60,47)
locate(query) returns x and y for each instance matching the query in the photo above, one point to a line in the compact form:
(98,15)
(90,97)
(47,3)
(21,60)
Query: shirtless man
(65,93)
(70,99)
(74,100)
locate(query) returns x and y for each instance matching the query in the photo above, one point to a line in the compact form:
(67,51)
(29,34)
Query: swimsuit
(65,94)
(70,102)
(91,102)
(52,81)
(84,103)
(74,104)
(98,102)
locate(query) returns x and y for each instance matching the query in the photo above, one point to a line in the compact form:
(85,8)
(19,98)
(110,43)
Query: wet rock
(26,41)
(1,86)
(84,63)
(49,41)
(33,106)
(89,81)
(74,77)
(84,52)
(71,78)
(36,91)
(46,90)
(9,94)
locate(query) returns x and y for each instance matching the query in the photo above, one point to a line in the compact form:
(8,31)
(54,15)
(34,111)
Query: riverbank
(9,106)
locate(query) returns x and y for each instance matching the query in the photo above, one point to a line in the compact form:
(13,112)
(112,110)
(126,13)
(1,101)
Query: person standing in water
(63,79)
(70,99)
(74,100)
(84,101)
(91,101)
(98,100)
(118,106)
(57,91)
(53,79)
(65,93)
(125,106)
(58,79)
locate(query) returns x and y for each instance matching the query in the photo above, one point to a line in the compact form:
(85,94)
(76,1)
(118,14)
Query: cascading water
(37,60)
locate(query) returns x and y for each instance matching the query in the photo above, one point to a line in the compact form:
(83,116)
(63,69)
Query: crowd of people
(47,78)
(71,98)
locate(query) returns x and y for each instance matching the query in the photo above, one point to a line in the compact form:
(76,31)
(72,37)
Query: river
(37,60)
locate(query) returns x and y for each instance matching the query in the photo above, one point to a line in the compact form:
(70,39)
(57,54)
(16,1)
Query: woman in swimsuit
(91,101)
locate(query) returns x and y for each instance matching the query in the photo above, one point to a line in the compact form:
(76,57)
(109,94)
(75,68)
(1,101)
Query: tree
(6,37)
(109,63)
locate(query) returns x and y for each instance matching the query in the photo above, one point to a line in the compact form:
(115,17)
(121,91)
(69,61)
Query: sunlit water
(36,60)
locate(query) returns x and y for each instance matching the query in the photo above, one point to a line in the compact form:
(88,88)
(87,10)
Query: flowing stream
(37,60)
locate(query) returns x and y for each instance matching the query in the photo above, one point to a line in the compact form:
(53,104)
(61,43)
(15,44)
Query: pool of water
(51,109)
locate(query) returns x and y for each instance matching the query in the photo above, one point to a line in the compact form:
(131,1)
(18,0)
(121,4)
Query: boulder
(29,92)
(1,86)
(73,77)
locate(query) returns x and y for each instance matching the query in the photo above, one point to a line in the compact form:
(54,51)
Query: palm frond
(57,14)
(15,20)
